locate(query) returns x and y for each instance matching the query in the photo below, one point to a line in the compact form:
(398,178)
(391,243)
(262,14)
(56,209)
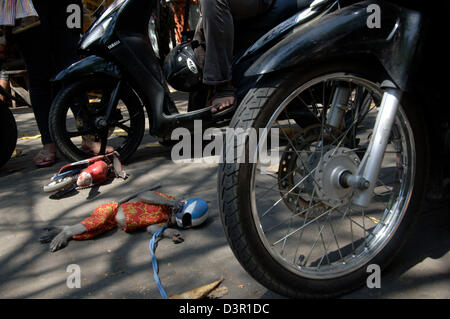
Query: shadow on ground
(117,264)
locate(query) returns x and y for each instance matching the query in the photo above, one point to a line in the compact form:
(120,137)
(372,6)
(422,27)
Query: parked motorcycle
(358,119)
(105,94)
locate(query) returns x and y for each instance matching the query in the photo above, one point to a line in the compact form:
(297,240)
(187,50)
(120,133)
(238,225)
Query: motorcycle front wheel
(289,226)
(77,119)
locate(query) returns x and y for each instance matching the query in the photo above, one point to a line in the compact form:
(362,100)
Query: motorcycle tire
(238,207)
(59,114)
(8,134)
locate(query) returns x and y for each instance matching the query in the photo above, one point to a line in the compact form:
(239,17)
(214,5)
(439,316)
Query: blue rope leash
(155,262)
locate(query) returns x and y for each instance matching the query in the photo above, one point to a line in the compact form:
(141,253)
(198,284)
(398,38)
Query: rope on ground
(152,247)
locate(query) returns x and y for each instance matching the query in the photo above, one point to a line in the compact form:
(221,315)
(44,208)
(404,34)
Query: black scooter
(105,93)
(351,172)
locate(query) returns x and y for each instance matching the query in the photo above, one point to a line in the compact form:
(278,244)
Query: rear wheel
(286,222)
(77,119)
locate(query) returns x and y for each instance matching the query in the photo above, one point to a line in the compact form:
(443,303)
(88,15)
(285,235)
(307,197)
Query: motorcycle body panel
(282,29)
(124,51)
(88,66)
(346,32)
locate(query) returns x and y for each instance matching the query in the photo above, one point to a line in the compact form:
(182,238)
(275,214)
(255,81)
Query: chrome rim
(309,229)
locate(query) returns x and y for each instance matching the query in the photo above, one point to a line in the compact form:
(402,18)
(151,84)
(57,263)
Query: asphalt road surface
(117,264)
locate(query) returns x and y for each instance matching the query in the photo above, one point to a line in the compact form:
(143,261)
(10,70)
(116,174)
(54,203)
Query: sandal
(45,158)
(223,92)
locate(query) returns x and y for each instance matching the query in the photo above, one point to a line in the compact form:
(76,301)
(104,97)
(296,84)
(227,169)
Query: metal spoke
(324,246)
(295,215)
(276,184)
(280,190)
(284,196)
(354,222)
(335,238)
(304,221)
(307,224)
(290,223)
(312,247)
(300,158)
(306,231)
(315,115)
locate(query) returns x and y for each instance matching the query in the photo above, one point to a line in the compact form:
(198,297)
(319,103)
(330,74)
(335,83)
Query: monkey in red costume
(152,208)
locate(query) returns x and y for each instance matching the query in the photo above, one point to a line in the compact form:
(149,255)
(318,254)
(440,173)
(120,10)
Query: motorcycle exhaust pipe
(369,168)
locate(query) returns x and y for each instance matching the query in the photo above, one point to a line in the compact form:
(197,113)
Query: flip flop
(223,92)
(45,158)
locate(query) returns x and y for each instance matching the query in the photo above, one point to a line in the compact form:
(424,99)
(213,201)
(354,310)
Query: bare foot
(224,97)
(222,103)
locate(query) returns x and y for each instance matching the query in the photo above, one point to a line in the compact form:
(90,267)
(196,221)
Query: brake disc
(297,162)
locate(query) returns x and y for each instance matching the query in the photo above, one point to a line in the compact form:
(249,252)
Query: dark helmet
(181,68)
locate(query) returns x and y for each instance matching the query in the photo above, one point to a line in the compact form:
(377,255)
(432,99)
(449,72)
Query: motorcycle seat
(279,11)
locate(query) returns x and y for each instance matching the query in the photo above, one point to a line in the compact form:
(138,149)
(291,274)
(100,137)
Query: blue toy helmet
(193,213)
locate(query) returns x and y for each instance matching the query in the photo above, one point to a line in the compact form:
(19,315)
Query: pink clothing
(10,10)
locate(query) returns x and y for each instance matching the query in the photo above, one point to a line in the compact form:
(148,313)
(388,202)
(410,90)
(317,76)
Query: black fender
(88,66)
(346,33)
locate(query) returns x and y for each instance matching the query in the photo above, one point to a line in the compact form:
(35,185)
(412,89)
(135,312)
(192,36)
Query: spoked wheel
(292,224)
(78,120)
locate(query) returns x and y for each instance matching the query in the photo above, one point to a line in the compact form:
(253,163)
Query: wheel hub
(293,169)
(328,176)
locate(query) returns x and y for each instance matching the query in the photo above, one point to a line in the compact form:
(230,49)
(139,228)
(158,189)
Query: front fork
(366,176)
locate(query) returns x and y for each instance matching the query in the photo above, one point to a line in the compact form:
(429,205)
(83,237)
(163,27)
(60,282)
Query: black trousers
(216,29)
(47,49)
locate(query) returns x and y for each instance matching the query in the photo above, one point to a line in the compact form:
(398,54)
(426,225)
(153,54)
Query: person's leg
(64,43)
(218,29)
(64,39)
(218,32)
(34,46)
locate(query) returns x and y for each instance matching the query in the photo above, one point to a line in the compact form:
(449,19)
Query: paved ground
(117,264)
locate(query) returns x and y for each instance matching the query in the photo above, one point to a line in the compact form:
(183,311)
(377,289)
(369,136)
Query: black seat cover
(277,13)
(248,31)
